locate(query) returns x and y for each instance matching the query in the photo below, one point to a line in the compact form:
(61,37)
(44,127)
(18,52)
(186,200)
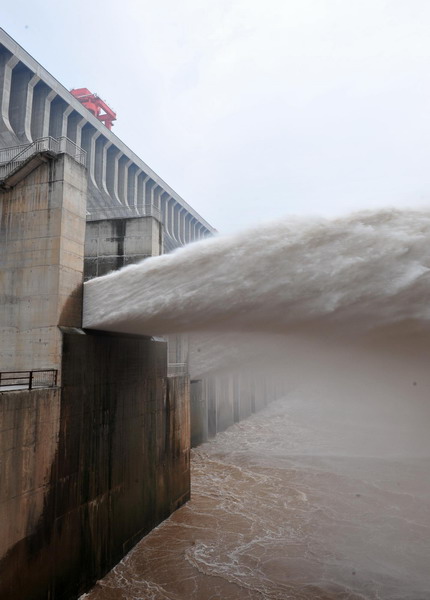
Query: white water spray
(348,275)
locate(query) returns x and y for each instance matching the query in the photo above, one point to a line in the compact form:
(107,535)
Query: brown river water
(285,506)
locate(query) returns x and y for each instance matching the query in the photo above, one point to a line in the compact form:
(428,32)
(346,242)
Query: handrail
(12,158)
(7,154)
(28,380)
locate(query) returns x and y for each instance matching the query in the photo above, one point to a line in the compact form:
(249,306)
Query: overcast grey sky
(252,110)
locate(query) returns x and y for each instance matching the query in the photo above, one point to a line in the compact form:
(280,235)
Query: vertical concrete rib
(41,111)
(72,125)
(182,214)
(142,180)
(7,65)
(88,143)
(104,162)
(100,144)
(58,107)
(79,126)
(65,122)
(189,222)
(164,200)
(175,225)
(113,156)
(21,101)
(156,194)
(132,175)
(149,195)
(170,216)
(123,166)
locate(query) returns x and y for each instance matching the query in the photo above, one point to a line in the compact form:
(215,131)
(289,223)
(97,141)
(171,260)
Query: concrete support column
(75,122)
(195,229)
(40,114)
(21,102)
(182,215)
(42,232)
(149,194)
(156,195)
(164,200)
(6,67)
(142,180)
(91,159)
(58,107)
(64,124)
(104,161)
(190,228)
(99,153)
(88,143)
(168,225)
(132,174)
(79,126)
(113,156)
(123,166)
(175,224)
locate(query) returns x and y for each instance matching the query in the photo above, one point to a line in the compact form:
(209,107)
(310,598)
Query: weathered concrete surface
(112,244)
(198,413)
(29,427)
(110,461)
(42,231)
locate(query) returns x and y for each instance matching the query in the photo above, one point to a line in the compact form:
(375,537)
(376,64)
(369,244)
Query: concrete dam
(113,367)
(95,426)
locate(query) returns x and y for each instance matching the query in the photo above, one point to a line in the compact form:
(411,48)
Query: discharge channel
(326,494)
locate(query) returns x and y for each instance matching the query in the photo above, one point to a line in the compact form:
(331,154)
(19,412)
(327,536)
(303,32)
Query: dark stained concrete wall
(115,243)
(116,464)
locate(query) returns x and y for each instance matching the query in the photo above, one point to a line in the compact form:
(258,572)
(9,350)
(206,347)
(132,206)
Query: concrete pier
(42,231)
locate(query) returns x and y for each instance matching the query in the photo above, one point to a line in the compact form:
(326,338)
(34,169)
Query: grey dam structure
(95,428)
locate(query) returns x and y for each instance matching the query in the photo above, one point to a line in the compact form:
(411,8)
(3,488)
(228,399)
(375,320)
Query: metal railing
(8,154)
(28,380)
(12,158)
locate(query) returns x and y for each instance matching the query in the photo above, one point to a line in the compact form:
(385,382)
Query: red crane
(95,105)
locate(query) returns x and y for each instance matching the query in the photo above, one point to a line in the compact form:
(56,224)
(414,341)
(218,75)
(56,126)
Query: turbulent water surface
(325,495)
(284,506)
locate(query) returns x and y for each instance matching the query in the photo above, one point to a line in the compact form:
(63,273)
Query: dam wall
(34,105)
(90,468)
(219,401)
(114,243)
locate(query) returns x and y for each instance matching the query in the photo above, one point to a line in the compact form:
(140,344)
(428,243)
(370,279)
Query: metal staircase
(17,162)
